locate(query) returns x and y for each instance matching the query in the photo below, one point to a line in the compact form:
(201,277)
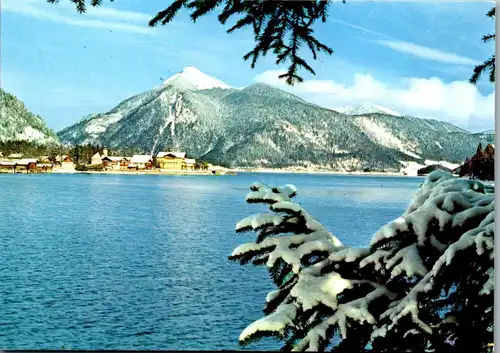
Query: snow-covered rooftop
(115,158)
(141,158)
(26,161)
(7,163)
(175,154)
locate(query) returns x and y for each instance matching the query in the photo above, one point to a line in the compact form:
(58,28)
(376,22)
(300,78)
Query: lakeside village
(25,157)
(163,162)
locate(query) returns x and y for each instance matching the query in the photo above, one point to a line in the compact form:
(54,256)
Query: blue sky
(413,57)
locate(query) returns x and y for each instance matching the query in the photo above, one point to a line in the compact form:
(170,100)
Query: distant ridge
(262,126)
(366,108)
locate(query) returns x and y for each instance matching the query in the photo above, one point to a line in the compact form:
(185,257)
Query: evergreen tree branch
(390,295)
(487,65)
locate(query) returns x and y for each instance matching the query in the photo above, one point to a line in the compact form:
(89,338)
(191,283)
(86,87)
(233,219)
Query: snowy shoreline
(226,172)
(312,171)
(127,172)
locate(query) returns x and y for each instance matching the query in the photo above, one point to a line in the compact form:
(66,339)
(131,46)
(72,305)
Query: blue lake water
(140,261)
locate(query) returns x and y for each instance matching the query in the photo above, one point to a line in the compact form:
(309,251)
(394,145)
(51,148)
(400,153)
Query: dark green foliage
(489,64)
(81,168)
(83,153)
(80,154)
(30,149)
(89,167)
(81,5)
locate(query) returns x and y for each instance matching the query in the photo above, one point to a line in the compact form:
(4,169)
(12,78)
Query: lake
(140,261)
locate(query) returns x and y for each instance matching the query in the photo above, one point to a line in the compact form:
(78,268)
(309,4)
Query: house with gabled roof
(115,162)
(67,164)
(96,159)
(190,163)
(141,161)
(171,160)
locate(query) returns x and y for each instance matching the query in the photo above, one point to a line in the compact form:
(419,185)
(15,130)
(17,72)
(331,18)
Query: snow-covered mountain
(366,108)
(262,126)
(192,78)
(18,123)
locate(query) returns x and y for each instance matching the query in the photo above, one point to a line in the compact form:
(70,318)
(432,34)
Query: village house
(190,163)
(96,159)
(141,161)
(7,165)
(115,163)
(44,164)
(67,164)
(25,164)
(171,160)
(60,158)
(44,167)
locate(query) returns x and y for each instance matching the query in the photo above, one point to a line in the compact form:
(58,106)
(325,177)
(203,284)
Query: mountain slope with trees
(18,123)
(262,126)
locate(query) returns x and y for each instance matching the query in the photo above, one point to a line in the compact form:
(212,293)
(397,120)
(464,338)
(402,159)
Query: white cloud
(457,102)
(411,48)
(110,19)
(119,15)
(361,28)
(426,52)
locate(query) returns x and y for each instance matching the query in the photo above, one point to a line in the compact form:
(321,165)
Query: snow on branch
(394,285)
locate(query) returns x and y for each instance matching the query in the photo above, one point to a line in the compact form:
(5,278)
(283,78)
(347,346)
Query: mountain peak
(192,78)
(366,108)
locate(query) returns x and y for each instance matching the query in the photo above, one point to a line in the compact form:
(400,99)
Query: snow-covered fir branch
(425,281)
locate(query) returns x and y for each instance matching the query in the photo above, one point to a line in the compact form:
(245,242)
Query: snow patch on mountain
(31,134)
(366,108)
(100,124)
(411,168)
(193,79)
(384,137)
(445,164)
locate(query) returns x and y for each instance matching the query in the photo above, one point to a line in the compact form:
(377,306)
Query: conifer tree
(479,148)
(464,168)
(424,283)
(489,64)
